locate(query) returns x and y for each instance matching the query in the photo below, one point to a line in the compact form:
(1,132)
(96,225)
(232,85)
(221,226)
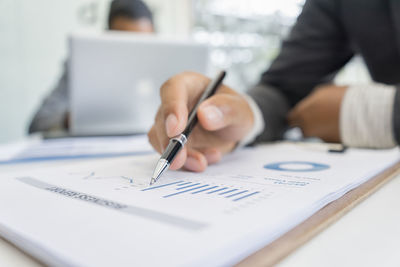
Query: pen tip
(162,165)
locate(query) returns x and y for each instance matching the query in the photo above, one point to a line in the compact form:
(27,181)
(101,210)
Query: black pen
(177,143)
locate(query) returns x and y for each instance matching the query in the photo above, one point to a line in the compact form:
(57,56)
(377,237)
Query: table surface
(369,235)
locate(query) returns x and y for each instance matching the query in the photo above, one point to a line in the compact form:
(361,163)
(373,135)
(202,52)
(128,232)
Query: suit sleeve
(314,51)
(53,112)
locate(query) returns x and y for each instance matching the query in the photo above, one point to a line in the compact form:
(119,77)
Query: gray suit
(328,33)
(52,114)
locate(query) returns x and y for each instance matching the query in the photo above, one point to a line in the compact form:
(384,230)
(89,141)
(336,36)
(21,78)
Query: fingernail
(213,114)
(191,164)
(170,124)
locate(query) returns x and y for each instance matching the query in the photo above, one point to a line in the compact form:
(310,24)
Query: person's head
(130,15)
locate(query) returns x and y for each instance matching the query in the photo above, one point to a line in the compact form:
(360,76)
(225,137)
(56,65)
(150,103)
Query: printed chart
(182,187)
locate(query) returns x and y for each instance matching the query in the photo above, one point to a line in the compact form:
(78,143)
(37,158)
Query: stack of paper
(102,212)
(67,148)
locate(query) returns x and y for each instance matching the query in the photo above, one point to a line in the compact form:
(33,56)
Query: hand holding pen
(223,120)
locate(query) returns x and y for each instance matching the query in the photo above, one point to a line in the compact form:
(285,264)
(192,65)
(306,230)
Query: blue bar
(184,183)
(202,190)
(241,192)
(127,178)
(180,188)
(155,187)
(223,188)
(90,175)
(181,192)
(223,193)
(248,195)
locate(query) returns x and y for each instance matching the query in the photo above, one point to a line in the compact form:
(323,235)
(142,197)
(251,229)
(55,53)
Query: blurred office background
(244,35)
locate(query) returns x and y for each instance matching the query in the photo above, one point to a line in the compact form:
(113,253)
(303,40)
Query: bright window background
(245,36)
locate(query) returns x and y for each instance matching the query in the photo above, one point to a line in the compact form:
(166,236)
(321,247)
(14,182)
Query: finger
(153,135)
(212,155)
(292,117)
(179,160)
(177,95)
(174,107)
(224,110)
(295,117)
(159,142)
(153,139)
(161,135)
(195,161)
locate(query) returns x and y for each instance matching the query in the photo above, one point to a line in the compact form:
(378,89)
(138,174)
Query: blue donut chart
(313,167)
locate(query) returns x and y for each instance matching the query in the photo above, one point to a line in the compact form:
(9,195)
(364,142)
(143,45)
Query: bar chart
(195,188)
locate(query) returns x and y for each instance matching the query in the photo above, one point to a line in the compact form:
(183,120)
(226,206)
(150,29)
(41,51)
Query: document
(104,213)
(74,147)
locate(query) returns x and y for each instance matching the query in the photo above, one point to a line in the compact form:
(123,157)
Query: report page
(103,212)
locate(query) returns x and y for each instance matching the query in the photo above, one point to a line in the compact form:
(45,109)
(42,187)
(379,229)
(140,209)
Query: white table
(369,235)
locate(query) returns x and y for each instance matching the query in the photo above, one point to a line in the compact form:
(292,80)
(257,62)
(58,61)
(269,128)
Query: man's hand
(318,114)
(224,119)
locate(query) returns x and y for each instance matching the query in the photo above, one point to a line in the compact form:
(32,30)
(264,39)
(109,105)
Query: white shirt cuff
(258,126)
(366,116)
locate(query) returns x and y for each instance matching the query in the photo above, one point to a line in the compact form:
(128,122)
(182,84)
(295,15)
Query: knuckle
(151,135)
(170,83)
(153,140)
(177,78)
(159,121)
(158,115)
(167,84)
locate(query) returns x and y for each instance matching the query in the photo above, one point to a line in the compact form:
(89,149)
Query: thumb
(224,110)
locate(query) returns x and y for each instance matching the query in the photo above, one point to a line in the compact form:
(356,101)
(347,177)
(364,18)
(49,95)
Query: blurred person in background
(124,15)
(298,88)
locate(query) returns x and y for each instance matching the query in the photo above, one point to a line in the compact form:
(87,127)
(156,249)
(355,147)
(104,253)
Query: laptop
(115,79)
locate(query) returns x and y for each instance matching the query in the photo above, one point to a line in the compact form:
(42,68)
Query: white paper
(67,148)
(102,212)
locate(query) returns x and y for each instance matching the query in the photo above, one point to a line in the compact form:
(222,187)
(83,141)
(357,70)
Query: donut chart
(296,166)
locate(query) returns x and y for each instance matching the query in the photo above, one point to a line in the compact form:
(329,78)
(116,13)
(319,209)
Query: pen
(177,143)
(325,147)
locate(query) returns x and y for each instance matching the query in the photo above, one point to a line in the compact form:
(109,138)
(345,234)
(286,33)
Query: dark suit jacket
(327,34)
